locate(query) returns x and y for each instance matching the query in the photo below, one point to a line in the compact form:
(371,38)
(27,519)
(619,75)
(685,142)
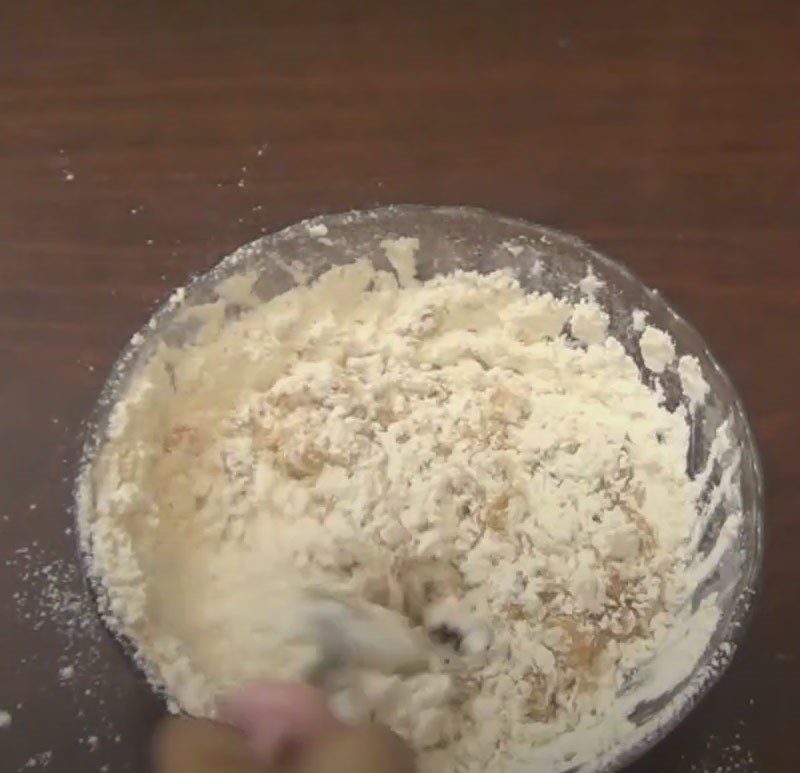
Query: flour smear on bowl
(488,464)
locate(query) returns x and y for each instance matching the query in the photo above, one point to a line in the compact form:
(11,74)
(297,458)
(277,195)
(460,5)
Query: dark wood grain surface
(140,142)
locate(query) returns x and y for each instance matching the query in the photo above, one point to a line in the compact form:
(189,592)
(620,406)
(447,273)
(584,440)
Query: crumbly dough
(657,348)
(484,462)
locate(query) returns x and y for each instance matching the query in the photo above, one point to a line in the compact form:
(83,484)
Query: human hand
(278,728)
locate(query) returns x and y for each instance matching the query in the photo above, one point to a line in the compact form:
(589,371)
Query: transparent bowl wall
(545,260)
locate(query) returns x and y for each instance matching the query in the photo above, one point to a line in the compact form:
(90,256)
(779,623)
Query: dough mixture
(485,464)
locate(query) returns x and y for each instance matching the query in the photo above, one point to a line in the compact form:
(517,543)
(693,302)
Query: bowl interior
(544,260)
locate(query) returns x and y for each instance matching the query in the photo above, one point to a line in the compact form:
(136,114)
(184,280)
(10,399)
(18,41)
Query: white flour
(487,463)
(657,349)
(692,381)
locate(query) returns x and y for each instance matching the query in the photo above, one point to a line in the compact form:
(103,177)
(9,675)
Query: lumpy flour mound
(488,464)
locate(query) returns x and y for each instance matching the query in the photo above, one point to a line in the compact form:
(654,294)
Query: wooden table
(140,142)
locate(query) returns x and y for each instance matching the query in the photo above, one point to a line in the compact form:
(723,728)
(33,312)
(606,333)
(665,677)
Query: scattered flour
(443,450)
(591,284)
(318,229)
(66,673)
(658,349)
(638,320)
(39,761)
(694,385)
(400,253)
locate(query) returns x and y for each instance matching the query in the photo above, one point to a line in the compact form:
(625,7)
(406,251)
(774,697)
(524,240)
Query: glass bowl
(545,260)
